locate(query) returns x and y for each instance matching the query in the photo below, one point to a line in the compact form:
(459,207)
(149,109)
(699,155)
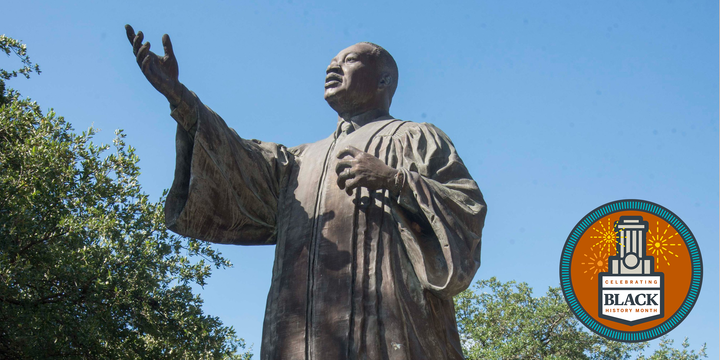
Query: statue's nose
(333,67)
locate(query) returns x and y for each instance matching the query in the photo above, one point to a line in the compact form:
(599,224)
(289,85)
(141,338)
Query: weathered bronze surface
(376,227)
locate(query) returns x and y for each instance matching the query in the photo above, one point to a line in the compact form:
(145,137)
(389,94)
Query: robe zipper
(312,249)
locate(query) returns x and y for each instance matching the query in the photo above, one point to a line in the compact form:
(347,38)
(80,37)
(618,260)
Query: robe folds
(367,276)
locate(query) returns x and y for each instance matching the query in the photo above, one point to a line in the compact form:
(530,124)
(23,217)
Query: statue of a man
(376,227)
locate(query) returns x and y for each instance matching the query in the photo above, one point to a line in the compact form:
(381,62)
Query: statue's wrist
(175,97)
(396,182)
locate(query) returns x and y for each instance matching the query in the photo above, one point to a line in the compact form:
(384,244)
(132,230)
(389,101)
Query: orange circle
(590,257)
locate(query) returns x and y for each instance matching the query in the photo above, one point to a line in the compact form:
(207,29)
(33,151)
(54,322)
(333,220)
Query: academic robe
(367,276)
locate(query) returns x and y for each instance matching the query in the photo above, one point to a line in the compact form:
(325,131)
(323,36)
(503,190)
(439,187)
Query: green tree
(87,268)
(11,46)
(667,352)
(504,321)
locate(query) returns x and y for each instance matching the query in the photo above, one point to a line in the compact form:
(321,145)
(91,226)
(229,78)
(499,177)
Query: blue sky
(555,108)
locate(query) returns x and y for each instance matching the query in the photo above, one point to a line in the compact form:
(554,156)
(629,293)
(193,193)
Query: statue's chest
(315,177)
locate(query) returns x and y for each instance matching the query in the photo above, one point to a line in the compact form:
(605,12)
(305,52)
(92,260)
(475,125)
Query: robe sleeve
(226,189)
(440,210)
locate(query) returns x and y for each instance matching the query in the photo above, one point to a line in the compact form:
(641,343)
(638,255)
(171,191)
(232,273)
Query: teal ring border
(695,283)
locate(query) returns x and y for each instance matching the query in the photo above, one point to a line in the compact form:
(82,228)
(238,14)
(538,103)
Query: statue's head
(361,78)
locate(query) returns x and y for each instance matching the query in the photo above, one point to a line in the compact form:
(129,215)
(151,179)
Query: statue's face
(352,79)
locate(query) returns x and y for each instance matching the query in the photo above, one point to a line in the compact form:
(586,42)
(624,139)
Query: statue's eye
(350,59)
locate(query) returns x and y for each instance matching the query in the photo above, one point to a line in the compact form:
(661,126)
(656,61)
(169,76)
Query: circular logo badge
(631,270)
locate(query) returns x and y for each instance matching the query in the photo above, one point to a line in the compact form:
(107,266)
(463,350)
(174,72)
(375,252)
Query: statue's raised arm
(161,72)
(214,166)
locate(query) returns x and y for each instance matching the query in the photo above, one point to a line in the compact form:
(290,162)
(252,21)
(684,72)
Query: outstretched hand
(358,168)
(162,72)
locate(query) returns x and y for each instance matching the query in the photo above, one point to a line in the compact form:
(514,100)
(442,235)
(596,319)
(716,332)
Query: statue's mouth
(333,80)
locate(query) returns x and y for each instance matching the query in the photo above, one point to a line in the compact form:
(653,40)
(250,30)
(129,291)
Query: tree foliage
(11,46)
(667,352)
(504,321)
(87,268)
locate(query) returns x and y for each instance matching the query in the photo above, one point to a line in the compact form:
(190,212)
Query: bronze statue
(376,227)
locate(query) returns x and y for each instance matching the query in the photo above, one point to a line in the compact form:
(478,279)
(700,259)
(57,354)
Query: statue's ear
(385,81)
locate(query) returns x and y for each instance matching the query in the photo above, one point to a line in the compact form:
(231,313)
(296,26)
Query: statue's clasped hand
(357,168)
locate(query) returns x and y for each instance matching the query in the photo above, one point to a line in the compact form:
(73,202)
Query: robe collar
(356,122)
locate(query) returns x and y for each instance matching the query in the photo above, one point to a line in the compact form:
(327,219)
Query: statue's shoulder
(298,150)
(392,127)
(420,129)
(301,149)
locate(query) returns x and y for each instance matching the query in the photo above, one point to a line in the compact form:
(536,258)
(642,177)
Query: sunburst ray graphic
(659,244)
(606,238)
(595,263)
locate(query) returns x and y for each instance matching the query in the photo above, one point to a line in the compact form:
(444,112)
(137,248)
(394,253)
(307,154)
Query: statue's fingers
(137,42)
(344,176)
(143,53)
(342,165)
(350,150)
(350,185)
(167,46)
(169,58)
(130,33)
(145,65)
